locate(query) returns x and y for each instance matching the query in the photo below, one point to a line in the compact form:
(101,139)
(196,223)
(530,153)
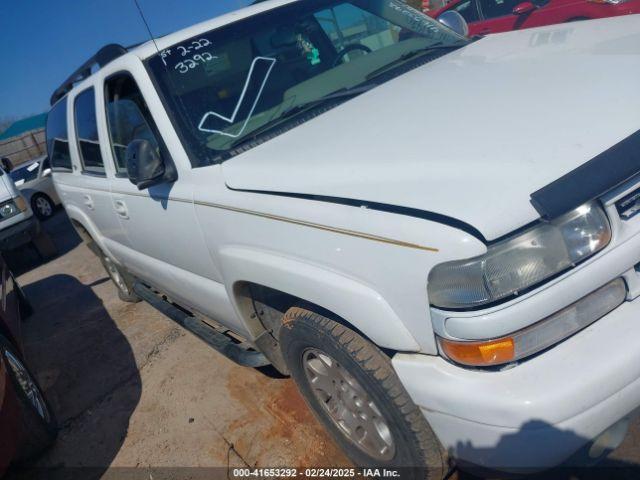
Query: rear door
(78,165)
(95,195)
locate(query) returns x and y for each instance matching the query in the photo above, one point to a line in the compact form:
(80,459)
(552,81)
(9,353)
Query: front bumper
(535,415)
(19,234)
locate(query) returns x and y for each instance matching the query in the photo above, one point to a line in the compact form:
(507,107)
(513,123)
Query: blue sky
(43,41)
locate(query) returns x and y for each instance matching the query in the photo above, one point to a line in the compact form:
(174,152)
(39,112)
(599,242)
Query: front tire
(37,418)
(352,388)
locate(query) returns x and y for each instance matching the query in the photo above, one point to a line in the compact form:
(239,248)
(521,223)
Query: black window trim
(90,171)
(164,151)
(66,119)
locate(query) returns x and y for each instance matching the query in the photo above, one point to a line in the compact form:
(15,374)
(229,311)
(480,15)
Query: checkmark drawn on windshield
(260,69)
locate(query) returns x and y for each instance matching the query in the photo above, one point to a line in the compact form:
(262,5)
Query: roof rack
(105,55)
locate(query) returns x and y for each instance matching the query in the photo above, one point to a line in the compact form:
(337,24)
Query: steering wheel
(350,48)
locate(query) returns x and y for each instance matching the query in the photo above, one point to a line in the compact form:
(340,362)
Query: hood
(472,134)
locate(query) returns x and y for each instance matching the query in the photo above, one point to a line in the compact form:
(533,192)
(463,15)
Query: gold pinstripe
(343,231)
(317,226)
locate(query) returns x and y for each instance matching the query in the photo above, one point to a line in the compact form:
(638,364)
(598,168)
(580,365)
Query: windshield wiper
(301,108)
(409,55)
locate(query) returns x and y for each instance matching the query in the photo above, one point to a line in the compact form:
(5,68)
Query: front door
(168,248)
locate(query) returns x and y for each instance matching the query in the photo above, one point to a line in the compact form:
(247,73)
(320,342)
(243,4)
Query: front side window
(252,78)
(128,117)
(87,132)
(58,138)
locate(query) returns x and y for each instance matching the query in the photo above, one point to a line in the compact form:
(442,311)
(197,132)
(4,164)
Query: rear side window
(58,138)
(87,132)
(128,117)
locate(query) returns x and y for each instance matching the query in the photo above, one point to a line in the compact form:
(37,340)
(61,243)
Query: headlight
(8,209)
(520,262)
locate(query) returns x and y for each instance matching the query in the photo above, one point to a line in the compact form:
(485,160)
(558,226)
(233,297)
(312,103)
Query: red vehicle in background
(493,16)
(27,424)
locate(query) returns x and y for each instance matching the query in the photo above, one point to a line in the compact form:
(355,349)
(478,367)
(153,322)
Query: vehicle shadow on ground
(88,371)
(539,435)
(64,237)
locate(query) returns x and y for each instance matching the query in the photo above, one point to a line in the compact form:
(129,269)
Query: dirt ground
(137,397)
(131,389)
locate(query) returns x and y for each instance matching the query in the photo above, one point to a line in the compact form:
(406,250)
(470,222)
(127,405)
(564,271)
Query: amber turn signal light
(479,354)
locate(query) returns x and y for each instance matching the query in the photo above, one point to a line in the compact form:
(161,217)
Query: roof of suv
(151,47)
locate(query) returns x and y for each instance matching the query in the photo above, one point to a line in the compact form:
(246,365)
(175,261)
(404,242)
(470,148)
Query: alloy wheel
(348,405)
(43,206)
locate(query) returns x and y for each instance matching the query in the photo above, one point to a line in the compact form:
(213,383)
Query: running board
(240,353)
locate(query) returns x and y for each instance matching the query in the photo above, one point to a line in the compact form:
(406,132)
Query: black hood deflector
(589,181)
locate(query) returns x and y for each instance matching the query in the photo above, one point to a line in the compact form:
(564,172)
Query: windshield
(25,174)
(222,86)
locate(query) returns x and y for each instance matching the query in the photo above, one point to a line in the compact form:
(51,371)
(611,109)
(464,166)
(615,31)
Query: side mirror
(145,168)
(456,22)
(523,8)
(46,172)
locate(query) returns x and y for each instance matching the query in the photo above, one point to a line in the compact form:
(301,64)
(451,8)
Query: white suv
(437,238)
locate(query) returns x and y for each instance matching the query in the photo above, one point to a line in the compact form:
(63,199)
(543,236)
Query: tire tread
(377,364)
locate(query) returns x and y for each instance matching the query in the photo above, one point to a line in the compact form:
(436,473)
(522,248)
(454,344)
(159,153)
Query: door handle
(88,201)
(121,208)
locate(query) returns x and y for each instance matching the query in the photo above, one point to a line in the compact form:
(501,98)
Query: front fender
(358,304)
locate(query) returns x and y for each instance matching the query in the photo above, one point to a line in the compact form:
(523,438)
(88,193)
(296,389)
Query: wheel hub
(348,405)
(43,206)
